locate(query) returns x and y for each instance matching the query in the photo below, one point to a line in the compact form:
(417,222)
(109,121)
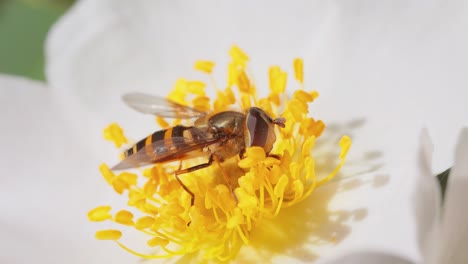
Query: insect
(217,137)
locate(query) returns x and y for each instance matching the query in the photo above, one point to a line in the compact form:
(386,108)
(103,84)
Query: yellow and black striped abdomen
(165,137)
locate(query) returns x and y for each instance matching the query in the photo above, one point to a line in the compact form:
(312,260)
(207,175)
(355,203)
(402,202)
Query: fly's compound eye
(260,129)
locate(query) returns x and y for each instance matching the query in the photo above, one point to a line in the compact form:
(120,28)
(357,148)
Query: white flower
(383,70)
(442,230)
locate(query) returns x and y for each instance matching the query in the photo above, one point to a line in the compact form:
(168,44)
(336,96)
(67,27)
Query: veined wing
(159,106)
(166,150)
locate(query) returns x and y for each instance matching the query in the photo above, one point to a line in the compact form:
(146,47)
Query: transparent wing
(159,106)
(166,150)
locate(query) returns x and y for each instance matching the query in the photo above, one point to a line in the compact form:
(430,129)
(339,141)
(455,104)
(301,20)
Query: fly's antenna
(279,121)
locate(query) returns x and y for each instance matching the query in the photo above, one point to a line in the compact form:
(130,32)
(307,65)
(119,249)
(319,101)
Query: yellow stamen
(144,222)
(303,96)
(119,185)
(204,66)
(196,87)
(100,213)
(106,173)
(179,92)
(238,56)
(345,144)
(243,82)
(299,70)
(278,80)
(158,241)
(162,122)
(281,185)
(124,217)
(308,145)
(109,234)
(201,103)
(245,101)
(216,226)
(115,134)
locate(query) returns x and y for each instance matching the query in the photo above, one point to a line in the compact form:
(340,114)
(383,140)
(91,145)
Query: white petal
(453,239)
(382,74)
(101,49)
(47,185)
(383,70)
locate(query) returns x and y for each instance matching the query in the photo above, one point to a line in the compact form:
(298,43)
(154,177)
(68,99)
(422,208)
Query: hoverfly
(217,137)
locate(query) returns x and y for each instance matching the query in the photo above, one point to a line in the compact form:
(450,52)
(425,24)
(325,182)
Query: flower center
(234,196)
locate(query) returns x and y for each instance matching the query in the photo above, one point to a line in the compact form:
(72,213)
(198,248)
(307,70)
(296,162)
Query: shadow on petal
(426,197)
(300,230)
(356,165)
(369,258)
(453,238)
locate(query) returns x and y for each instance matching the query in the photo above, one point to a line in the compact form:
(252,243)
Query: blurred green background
(23,29)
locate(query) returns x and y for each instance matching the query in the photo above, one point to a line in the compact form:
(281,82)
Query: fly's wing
(159,106)
(166,150)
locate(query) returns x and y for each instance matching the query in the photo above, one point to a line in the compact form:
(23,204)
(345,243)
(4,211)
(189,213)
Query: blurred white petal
(440,241)
(453,239)
(382,70)
(47,184)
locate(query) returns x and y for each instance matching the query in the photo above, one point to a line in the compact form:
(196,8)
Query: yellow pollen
(115,134)
(179,92)
(256,153)
(128,178)
(124,217)
(196,87)
(119,186)
(308,145)
(303,96)
(232,74)
(247,201)
(162,122)
(345,144)
(158,241)
(236,220)
(299,70)
(144,222)
(204,66)
(201,103)
(106,173)
(278,80)
(243,82)
(281,185)
(234,197)
(109,234)
(314,94)
(249,182)
(245,101)
(238,56)
(100,213)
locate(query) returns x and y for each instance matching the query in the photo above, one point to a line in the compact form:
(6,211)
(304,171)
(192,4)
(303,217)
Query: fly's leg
(276,156)
(187,170)
(242,153)
(226,177)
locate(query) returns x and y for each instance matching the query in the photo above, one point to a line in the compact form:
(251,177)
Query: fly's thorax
(260,129)
(230,147)
(228,126)
(228,123)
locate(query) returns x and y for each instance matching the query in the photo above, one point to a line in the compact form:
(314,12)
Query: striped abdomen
(170,138)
